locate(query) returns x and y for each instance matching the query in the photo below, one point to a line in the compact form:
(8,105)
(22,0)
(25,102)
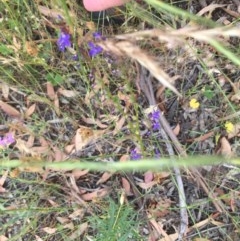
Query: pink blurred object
(99,5)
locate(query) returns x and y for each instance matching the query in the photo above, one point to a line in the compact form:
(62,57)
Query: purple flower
(154,117)
(97,35)
(8,139)
(75,57)
(59,17)
(156,126)
(135,155)
(157,153)
(64,41)
(94,49)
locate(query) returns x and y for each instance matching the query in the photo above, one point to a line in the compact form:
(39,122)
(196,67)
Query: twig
(146,86)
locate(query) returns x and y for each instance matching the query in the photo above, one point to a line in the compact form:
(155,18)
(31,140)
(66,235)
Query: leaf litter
(103,121)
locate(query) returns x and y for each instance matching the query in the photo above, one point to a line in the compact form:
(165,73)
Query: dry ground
(96,109)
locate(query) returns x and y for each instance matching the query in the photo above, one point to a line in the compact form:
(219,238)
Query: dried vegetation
(156,83)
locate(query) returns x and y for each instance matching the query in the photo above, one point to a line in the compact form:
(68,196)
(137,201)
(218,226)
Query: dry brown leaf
(3,238)
(161,175)
(3,178)
(43,141)
(94,122)
(32,164)
(58,154)
(216,223)
(104,177)
(69,148)
(146,185)
(79,213)
(14,173)
(160,231)
(225,147)
(67,93)
(85,136)
(5,89)
(16,44)
(63,220)
(53,204)
(148,176)
(70,226)
(23,148)
(81,229)
(126,98)
(235,97)
(176,130)
(50,91)
(38,238)
(96,194)
(2,181)
(124,158)
(30,141)
(201,138)
(74,186)
(9,110)
(126,187)
(41,149)
(2,189)
(50,12)
(210,8)
(77,173)
(91,25)
(160,92)
(119,125)
(30,110)
(161,209)
(235,132)
(199,224)
(31,48)
(56,104)
(232,13)
(49,230)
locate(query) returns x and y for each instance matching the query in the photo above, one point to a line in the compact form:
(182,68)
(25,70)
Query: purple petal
(156,126)
(135,155)
(8,139)
(157,153)
(91,44)
(97,35)
(64,41)
(94,49)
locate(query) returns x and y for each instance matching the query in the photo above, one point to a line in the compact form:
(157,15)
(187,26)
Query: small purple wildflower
(59,17)
(97,35)
(154,117)
(64,41)
(156,125)
(157,153)
(94,49)
(8,139)
(135,155)
(75,57)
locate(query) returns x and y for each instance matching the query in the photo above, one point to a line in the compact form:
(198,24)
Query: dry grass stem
(144,59)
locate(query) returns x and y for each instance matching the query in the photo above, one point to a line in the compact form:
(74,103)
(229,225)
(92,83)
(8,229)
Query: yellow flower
(194,103)
(229,126)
